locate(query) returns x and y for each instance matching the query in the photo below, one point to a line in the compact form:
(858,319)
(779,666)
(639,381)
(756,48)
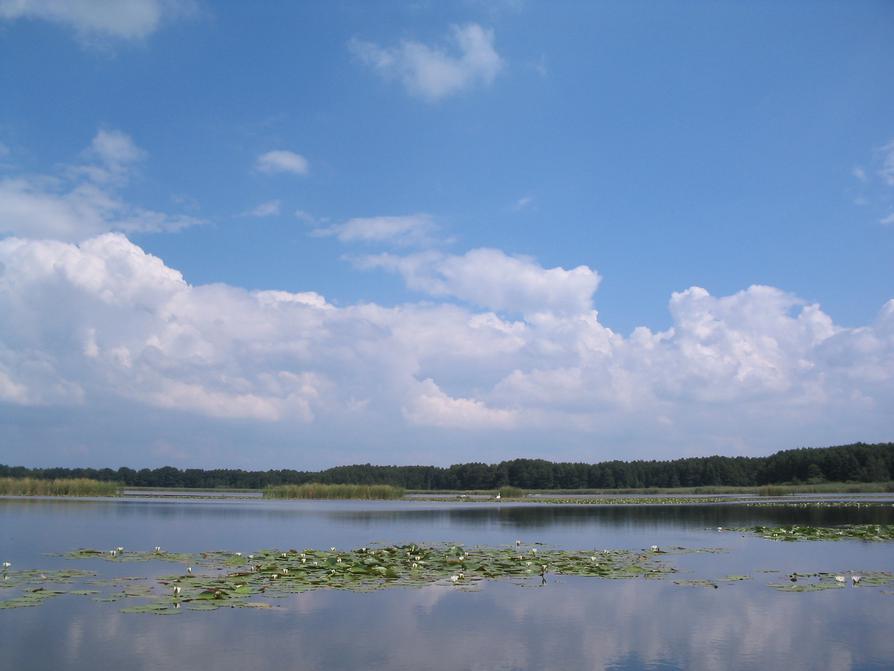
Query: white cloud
(89,327)
(282,160)
(887,168)
(432,73)
(492,279)
(432,407)
(523,203)
(122,19)
(888,220)
(271,208)
(85,199)
(859,173)
(411,229)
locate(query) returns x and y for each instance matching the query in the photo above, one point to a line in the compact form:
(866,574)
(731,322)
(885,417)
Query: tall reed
(62,487)
(316,490)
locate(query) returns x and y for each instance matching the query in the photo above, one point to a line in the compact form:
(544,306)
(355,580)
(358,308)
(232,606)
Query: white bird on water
(497,497)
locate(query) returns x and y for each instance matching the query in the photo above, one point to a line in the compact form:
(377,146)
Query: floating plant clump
(816,582)
(865,532)
(233,579)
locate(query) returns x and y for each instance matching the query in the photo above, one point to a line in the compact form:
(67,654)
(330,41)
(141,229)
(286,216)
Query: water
(568,623)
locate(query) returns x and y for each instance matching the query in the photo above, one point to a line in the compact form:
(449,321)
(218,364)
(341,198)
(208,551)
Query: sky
(298,235)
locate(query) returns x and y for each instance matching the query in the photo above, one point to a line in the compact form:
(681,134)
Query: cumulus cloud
(411,229)
(121,19)
(100,323)
(84,199)
(282,160)
(432,72)
(492,279)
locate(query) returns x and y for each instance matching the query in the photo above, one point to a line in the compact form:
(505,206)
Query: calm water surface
(568,623)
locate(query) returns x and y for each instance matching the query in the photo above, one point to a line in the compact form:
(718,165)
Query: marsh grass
(509,492)
(62,487)
(316,490)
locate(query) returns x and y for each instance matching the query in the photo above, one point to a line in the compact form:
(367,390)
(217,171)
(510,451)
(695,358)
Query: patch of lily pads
(864,532)
(817,582)
(206,581)
(214,580)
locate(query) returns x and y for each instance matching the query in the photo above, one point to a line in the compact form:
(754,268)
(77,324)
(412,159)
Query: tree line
(859,462)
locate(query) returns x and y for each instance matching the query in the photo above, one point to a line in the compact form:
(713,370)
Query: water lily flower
(7,564)
(189,569)
(251,556)
(415,565)
(332,549)
(839,578)
(653,548)
(497,497)
(533,551)
(120,549)
(238,554)
(157,549)
(285,570)
(517,543)
(177,590)
(454,578)
(856,578)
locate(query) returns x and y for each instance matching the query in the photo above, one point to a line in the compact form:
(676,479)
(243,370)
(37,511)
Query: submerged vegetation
(315,490)
(56,487)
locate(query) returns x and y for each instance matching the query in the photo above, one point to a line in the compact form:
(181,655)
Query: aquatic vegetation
(231,579)
(865,532)
(315,490)
(222,579)
(59,487)
(815,582)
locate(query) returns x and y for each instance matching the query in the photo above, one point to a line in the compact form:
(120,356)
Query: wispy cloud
(91,19)
(282,160)
(271,208)
(85,198)
(433,72)
(407,230)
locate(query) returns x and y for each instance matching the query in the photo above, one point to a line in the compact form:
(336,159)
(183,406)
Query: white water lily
(517,543)
(156,549)
(251,556)
(238,554)
(415,565)
(7,564)
(856,578)
(839,578)
(177,591)
(274,576)
(653,548)
(454,578)
(120,549)
(189,569)
(332,549)
(285,570)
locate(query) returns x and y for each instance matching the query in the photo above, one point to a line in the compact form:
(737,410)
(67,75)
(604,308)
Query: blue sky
(636,200)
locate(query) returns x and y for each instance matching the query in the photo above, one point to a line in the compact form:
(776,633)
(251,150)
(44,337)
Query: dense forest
(845,463)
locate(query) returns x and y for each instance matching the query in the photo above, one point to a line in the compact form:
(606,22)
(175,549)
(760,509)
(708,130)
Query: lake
(564,622)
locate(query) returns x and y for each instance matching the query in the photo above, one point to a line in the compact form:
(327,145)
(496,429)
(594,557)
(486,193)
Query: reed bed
(61,487)
(316,490)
